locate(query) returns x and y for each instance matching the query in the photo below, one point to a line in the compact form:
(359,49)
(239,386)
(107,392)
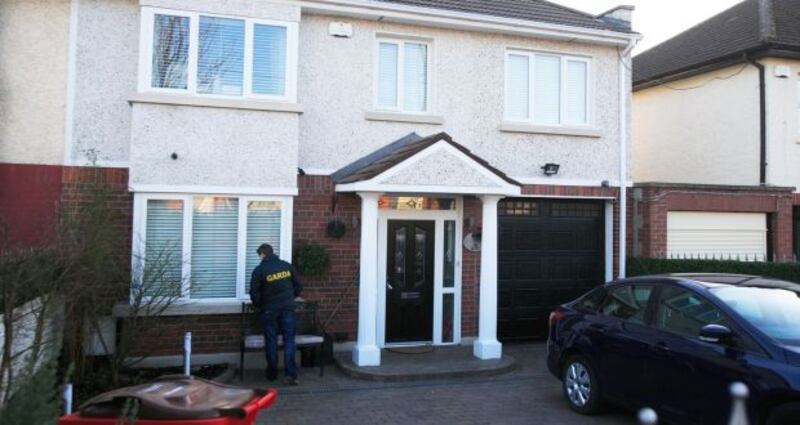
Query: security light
(550,169)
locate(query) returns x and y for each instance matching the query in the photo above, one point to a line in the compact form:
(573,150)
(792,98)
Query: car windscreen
(774,311)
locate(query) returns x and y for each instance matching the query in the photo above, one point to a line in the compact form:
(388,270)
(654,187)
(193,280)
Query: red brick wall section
(210,334)
(470,270)
(79,182)
(653,202)
(313,210)
(29,197)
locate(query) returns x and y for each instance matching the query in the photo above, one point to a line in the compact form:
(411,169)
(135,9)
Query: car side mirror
(717,334)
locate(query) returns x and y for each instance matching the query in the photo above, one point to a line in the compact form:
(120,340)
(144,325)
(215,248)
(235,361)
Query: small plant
(311,259)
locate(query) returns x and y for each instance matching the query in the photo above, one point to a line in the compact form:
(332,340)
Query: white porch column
(366,351)
(487,346)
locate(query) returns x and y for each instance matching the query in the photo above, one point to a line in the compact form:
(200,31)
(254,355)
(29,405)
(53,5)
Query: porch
(412,226)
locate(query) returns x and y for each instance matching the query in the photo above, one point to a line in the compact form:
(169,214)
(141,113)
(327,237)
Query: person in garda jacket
(273,288)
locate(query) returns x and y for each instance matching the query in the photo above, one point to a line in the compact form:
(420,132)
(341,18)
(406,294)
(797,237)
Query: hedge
(645,266)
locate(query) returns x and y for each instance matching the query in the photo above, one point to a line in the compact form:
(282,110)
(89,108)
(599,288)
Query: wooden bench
(307,334)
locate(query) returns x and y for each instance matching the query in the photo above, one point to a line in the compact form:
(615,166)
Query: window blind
(387,75)
(269,59)
(215,223)
(547,89)
(576,92)
(220,62)
(163,248)
(263,226)
(415,74)
(170,51)
(518,87)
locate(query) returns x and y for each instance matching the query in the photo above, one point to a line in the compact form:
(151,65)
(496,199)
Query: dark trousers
(283,321)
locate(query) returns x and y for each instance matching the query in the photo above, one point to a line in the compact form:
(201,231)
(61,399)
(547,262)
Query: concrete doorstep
(439,363)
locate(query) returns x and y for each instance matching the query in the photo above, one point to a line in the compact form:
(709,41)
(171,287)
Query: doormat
(422,349)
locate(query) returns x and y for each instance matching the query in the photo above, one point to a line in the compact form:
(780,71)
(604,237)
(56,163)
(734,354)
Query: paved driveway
(529,395)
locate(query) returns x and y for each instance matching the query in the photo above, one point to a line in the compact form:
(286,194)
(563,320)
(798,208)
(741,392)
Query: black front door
(409,281)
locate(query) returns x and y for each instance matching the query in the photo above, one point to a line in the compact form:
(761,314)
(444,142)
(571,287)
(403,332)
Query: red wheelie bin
(174,400)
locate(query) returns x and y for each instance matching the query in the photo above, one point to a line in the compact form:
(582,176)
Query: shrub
(783,271)
(311,259)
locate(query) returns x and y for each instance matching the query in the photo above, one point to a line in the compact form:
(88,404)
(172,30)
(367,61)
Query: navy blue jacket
(274,285)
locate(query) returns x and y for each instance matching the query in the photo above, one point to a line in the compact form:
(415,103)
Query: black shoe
(293,382)
(271,375)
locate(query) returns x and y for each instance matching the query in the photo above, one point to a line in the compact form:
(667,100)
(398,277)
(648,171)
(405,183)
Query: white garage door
(717,235)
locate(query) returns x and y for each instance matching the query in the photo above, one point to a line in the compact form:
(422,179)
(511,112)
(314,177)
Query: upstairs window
(193,53)
(403,76)
(547,89)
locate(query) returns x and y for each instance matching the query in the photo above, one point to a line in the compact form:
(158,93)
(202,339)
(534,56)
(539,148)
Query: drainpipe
(762,99)
(624,93)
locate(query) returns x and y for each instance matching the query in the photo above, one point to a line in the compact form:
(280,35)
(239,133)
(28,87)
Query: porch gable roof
(382,167)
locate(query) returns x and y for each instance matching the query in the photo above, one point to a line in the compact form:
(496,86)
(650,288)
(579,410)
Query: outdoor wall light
(550,169)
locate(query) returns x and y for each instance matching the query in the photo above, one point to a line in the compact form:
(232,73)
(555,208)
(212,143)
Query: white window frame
(565,59)
(146,56)
(400,41)
(138,261)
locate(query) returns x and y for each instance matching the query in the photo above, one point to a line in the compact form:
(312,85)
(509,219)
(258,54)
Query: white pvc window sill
(405,117)
(215,102)
(189,308)
(514,127)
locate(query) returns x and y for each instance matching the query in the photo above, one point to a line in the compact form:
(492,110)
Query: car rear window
(590,302)
(774,311)
(628,302)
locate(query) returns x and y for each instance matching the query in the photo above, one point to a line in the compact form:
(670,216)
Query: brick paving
(528,395)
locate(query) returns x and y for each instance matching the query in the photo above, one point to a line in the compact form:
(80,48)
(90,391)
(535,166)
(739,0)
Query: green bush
(35,400)
(645,266)
(311,259)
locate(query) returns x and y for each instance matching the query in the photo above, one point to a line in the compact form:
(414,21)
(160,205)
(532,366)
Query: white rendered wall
(783,124)
(34,39)
(705,135)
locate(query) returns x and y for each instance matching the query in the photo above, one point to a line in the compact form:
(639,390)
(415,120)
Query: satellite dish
(472,242)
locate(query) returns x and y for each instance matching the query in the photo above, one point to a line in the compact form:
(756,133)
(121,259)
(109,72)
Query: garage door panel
(527,270)
(554,256)
(717,235)
(561,240)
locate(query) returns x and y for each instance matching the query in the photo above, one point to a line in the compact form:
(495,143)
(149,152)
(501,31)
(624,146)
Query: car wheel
(788,414)
(580,386)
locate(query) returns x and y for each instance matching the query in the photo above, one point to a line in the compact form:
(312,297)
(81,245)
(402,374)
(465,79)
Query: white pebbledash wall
(335,88)
(219,146)
(33,81)
(705,135)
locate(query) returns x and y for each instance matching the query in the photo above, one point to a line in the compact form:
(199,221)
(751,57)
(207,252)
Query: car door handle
(598,328)
(661,346)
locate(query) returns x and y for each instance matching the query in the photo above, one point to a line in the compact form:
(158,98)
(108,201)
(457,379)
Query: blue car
(676,343)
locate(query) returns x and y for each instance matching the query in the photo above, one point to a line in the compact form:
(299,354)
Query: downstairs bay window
(206,244)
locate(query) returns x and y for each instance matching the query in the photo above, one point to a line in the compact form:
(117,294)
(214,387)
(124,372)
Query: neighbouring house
(716,132)
(463,163)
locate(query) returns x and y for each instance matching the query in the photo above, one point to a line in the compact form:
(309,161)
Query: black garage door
(550,252)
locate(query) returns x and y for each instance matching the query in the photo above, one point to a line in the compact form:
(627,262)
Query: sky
(657,20)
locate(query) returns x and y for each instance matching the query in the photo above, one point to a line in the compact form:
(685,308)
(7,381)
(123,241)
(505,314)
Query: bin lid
(172,397)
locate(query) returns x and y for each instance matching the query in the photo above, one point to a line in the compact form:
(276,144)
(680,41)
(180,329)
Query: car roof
(710,280)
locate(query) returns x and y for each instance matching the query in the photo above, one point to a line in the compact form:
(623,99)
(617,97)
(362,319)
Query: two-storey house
(463,163)
(717,138)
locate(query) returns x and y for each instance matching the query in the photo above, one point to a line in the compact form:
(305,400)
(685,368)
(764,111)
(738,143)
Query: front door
(409,281)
